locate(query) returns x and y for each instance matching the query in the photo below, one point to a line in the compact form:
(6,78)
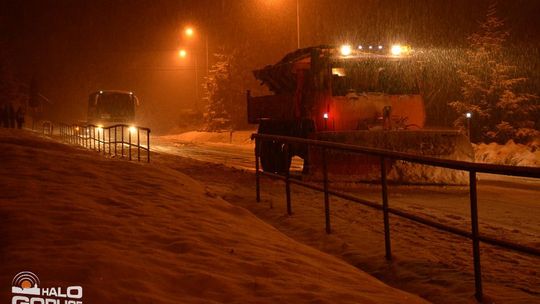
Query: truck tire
(274,158)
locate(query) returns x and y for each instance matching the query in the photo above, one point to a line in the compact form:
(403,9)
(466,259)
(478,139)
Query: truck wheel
(266,153)
(273,158)
(282,159)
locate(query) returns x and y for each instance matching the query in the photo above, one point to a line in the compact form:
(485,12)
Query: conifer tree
(225,89)
(491,88)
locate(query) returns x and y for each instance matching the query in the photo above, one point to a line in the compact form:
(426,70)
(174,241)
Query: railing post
(92,138)
(148,143)
(257,173)
(98,141)
(326,194)
(115,141)
(288,183)
(138,144)
(129,142)
(475,240)
(386,217)
(109,141)
(122,139)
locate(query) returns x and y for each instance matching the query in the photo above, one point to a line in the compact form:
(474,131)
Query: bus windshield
(111,107)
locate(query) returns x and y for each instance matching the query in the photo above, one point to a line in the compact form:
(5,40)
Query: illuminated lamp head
(325,116)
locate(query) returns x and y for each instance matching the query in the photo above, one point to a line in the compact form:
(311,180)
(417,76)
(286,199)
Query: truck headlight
(346,50)
(396,50)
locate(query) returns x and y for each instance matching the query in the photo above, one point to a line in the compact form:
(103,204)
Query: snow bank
(508,154)
(143,233)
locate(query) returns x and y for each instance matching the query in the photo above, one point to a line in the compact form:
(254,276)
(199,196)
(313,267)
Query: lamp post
(298,23)
(468,115)
(183,54)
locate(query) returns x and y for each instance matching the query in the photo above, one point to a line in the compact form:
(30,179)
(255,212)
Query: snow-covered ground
(436,265)
(149,233)
(508,154)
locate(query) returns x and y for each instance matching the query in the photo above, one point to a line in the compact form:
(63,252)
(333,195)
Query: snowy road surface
(241,157)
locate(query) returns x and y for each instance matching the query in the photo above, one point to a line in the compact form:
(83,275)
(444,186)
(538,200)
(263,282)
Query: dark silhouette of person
(11,115)
(20,117)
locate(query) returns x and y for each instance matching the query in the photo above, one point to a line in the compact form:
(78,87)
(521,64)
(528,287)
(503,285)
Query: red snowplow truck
(368,96)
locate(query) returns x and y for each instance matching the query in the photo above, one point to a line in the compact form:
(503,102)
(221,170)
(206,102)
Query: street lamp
(190,32)
(183,54)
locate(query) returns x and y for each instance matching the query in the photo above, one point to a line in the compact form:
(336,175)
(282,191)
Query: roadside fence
(119,140)
(385,155)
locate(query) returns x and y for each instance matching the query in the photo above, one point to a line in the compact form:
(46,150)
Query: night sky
(74,47)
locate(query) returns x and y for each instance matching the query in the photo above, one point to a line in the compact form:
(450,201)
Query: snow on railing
(386,155)
(117,140)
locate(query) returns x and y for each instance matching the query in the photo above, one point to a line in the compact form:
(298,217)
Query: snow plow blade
(349,167)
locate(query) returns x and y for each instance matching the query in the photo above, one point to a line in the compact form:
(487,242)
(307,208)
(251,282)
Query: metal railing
(47,128)
(117,140)
(385,155)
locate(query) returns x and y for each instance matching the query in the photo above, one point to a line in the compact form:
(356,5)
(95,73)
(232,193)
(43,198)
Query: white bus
(112,107)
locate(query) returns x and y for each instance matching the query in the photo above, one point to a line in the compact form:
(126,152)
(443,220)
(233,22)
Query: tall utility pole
(298,23)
